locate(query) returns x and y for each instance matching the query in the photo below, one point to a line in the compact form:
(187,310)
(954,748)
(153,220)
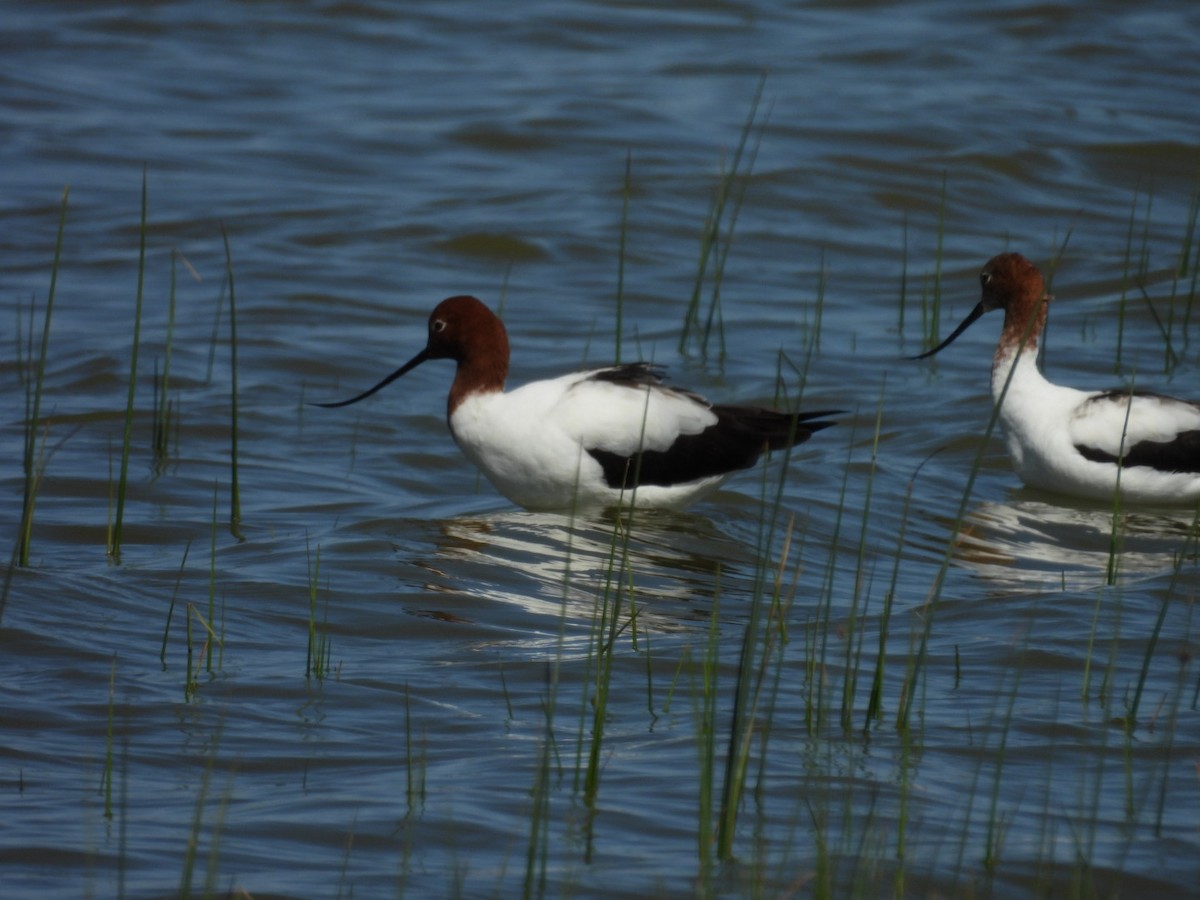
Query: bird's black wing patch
(630,373)
(736,441)
(1179,455)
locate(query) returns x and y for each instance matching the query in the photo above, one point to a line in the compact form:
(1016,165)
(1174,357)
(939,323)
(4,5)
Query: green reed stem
(626,190)
(414,762)
(114,548)
(710,239)
(1189,259)
(705,715)
(108,741)
(903,275)
(852,662)
(193,842)
(212,574)
(162,406)
(817,700)
(536,853)
(1126,279)
(936,311)
(992,840)
(1152,642)
(235,497)
(190,684)
(33,401)
(162,654)
(213,871)
(320,651)
(215,336)
(875,703)
(739,184)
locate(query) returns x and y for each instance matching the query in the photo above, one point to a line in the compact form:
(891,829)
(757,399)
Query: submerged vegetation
(808,691)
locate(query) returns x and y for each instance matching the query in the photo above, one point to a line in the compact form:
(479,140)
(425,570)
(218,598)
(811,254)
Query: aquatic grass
(1134,272)
(817,702)
(206,650)
(215,336)
(537,850)
(607,627)
(1089,652)
(760,644)
(704,712)
(162,654)
(415,764)
(939,253)
(853,656)
(32,453)
(903,305)
(107,777)
(731,189)
(1156,631)
(193,842)
(318,659)
(504,692)
(192,845)
(162,388)
(995,831)
(874,710)
(1189,261)
(819,306)
(114,541)
(931,305)
(235,496)
(998,726)
(623,235)
(1172,723)
(212,578)
(212,871)
(754,692)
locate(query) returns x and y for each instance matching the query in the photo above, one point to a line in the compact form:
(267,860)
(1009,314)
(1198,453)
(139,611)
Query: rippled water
(365,162)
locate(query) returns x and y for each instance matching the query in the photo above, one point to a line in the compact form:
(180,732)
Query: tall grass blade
(936,303)
(710,238)
(903,274)
(320,648)
(212,577)
(162,653)
(108,741)
(162,389)
(235,497)
(33,400)
(114,548)
(621,242)
(193,841)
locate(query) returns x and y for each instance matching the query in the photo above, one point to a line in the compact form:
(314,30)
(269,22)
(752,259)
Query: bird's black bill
(966,323)
(408,366)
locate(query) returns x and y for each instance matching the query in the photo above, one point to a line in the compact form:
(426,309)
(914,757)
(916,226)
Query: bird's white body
(1046,424)
(532,442)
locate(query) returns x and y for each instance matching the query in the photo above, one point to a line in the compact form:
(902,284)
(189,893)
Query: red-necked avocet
(597,438)
(1071,441)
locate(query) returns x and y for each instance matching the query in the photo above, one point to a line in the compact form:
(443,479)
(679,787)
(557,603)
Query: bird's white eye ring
(984,277)
(437,326)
